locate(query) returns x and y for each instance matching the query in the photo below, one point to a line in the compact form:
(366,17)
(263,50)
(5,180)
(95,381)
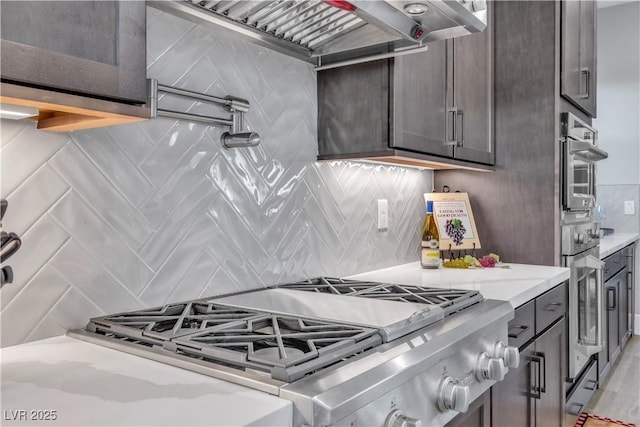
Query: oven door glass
(578,179)
(582,184)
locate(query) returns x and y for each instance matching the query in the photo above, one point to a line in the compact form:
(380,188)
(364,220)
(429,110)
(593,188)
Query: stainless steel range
(344,352)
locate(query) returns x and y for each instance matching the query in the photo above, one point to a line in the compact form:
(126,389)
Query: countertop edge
(516,285)
(613,243)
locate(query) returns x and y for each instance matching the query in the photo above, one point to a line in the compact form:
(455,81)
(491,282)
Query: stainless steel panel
(586,309)
(393,319)
(321,33)
(405,373)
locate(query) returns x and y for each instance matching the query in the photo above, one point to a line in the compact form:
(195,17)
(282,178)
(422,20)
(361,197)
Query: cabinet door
(588,55)
(473,94)
(87,47)
(612,289)
(420,98)
(353,109)
(551,349)
(578,81)
(510,398)
(623,307)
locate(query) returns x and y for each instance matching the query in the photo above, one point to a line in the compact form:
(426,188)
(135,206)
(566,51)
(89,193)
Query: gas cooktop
(324,343)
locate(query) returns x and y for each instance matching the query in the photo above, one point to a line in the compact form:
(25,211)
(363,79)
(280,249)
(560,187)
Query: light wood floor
(619,396)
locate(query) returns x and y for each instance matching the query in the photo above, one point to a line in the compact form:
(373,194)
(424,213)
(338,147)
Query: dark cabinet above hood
(329,33)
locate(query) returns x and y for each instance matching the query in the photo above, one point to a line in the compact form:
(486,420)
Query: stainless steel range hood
(329,33)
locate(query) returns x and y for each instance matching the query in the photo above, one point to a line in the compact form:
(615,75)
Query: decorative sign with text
(455,221)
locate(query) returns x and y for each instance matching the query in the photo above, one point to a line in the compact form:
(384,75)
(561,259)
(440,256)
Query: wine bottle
(429,251)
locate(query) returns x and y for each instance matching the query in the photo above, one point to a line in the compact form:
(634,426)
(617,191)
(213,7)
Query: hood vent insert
(325,32)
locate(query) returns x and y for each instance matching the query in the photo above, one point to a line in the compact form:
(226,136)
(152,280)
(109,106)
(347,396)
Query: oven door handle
(590,261)
(594,263)
(586,150)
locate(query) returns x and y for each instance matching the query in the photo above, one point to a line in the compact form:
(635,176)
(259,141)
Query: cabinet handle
(611,296)
(520,330)
(460,142)
(587,79)
(543,363)
(452,113)
(552,306)
(535,389)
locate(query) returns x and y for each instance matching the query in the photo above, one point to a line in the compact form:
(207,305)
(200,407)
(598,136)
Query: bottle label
(430,258)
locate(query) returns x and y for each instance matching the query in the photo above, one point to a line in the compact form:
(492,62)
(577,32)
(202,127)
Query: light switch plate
(383,214)
(629,207)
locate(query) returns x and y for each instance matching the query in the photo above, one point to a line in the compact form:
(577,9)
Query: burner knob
(579,238)
(490,368)
(398,419)
(510,355)
(453,396)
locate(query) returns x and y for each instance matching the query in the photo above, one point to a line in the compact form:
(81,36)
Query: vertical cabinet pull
(460,140)
(543,364)
(611,298)
(539,373)
(586,72)
(452,113)
(534,374)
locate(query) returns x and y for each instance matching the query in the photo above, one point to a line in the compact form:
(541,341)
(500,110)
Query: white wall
(618,120)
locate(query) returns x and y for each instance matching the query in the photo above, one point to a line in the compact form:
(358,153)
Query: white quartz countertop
(614,242)
(517,284)
(89,385)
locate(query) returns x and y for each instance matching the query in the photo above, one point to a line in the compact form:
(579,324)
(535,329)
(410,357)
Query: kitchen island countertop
(89,385)
(614,242)
(517,284)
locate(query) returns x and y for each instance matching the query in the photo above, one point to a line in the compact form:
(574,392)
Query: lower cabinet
(618,277)
(533,393)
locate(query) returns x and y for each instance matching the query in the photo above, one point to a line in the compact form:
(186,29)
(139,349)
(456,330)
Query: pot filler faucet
(237,106)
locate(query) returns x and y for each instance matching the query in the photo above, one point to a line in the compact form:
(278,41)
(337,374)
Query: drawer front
(522,326)
(613,264)
(550,307)
(583,391)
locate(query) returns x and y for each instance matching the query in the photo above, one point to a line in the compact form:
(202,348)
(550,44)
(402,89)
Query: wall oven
(586,294)
(580,154)
(580,236)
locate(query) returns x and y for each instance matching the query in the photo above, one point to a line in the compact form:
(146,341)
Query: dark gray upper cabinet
(353,111)
(578,68)
(435,105)
(95,48)
(443,99)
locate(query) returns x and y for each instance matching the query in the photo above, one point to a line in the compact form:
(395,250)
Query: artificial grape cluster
(488,261)
(455,230)
(456,263)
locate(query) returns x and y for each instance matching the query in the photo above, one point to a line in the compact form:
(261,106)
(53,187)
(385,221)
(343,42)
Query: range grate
(450,300)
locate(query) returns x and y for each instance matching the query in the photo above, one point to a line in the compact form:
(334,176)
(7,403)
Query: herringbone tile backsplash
(138,215)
